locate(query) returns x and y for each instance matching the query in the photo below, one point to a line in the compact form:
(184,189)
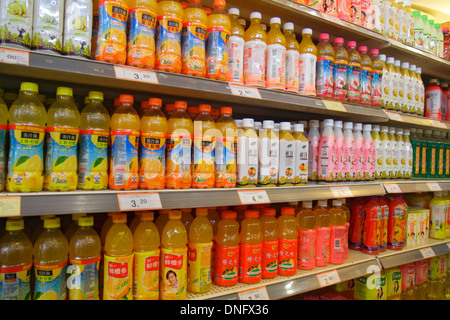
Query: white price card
(243,91)
(438,124)
(10,206)
(136,74)
(427,252)
(254,294)
(434,186)
(341,192)
(14,56)
(334,105)
(253,197)
(394,116)
(392,188)
(328,278)
(139,201)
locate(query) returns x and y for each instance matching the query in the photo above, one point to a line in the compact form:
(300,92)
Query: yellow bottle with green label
(27,120)
(51,253)
(3,130)
(199,253)
(84,259)
(63,128)
(94,141)
(146,258)
(16,258)
(118,260)
(173,259)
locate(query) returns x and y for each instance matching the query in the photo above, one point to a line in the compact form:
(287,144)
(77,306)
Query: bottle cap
(204,108)
(382,57)
(255,15)
(146,215)
(424,17)
(348,125)
(338,124)
(322,203)
(374,52)
(228,214)
(201,211)
(64,91)
(431,21)
(416,13)
(390,60)
(406,132)
(180,105)
(328,122)
(247,123)
(234,11)
(324,36)
(376,128)
(397,63)
(362,49)
(275,20)
(437,25)
(126,98)
(391,130)
(251,213)
(174,214)
(337,203)
(384,129)
(119,217)
(367,127)
(298,127)
(29,86)
(399,131)
(285,126)
(226,110)
(307,31)
(268,124)
(52,223)
(14,224)
(155,102)
(405,65)
(412,67)
(95,95)
(268,212)
(307,204)
(314,123)
(357,126)
(288,26)
(338,41)
(287,210)
(351,44)
(86,221)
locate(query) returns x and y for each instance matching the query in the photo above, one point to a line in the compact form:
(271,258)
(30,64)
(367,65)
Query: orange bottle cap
(192,110)
(155,102)
(144,104)
(204,108)
(268,212)
(219,3)
(287,210)
(126,98)
(146,215)
(180,105)
(175,214)
(116,102)
(251,213)
(201,211)
(119,217)
(226,110)
(228,214)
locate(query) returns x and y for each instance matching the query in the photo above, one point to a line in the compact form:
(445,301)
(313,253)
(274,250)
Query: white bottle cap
(322,203)
(248,123)
(367,127)
(328,122)
(407,132)
(357,126)
(298,127)
(376,128)
(391,130)
(238,123)
(384,129)
(348,125)
(405,65)
(337,202)
(258,125)
(412,67)
(255,15)
(338,124)
(390,60)
(307,204)
(307,31)
(314,123)
(234,11)
(399,131)
(285,126)
(275,20)
(418,70)
(382,57)
(268,124)
(397,63)
(288,26)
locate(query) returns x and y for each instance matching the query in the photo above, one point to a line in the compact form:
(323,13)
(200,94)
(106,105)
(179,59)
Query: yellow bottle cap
(175,214)
(76,216)
(14,224)
(64,91)
(119,217)
(52,223)
(96,95)
(29,86)
(147,215)
(48,216)
(86,221)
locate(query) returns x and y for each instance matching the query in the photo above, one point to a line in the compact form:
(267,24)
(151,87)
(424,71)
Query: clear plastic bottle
(325,67)
(405,89)
(426,33)
(377,76)
(288,242)
(414,103)
(433,37)
(255,53)
(365,77)
(286,155)
(397,86)
(306,221)
(338,218)
(225,151)
(439,40)
(361,161)
(369,152)
(354,72)
(313,139)
(236,49)
(276,56)
(341,152)
(301,155)
(323,230)
(418,30)
(247,151)
(292,58)
(250,253)
(308,64)
(351,152)
(269,261)
(268,151)
(327,156)
(340,70)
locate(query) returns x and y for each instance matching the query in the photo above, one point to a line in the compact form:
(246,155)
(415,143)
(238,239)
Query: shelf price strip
(427,252)
(334,105)
(136,74)
(243,91)
(10,206)
(139,201)
(341,192)
(253,197)
(328,278)
(392,188)
(254,294)
(434,186)
(14,56)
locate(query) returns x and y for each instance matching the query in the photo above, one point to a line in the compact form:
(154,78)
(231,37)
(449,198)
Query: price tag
(9,206)
(139,201)
(427,252)
(392,188)
(254,294)
(341,192)
(434,186)
(328,278)
(14,56)
(243,91)
(334,105)
(253,197)
(438,124)
(136,74)
(394,116)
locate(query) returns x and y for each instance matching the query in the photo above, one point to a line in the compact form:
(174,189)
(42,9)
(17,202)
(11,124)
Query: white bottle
(404,83)
(395,154)
(246,154)
(388,19)
(396,14)
(412,88)
(379,153)
(426,33)
(48,26)
(361,160)
(440,40)
(301,155)
(397,86)
(292,64)
(408,154)
(313,139)
(235,55)
(327,154)
(78,28)
(286,155)
(369,152)
(341,152)
(351,151)
(387,153)
(378,16)
(402,22)
(421,89)
(401,154)
(268,154)
(384,82)
(410,22)
(433,37)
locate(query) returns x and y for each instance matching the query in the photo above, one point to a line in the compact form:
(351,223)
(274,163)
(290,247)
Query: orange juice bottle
(193,40)
(199,253)
(141,33)
(51,252)
(152,173)
(118,260)
(146,259)
(269,261)
(347,225)
(179,143)
(168,36)
(338,219)
(218,34)
(203,175)
(162,219)
(397,223)
(112,31)
(250,253)
(226,260)
(84,258)
(306,222)
(255,52)
(292,58)
(276,56)
(308,62)
(371,231)
(325,67)
(287,242)
(169,109)
(323,222)
(236,49)
(173,269)
(225,152)
(340,70)
(125,126)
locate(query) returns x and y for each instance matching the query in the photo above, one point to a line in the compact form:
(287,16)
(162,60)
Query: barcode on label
(81,176)
(119,178)
(337,243)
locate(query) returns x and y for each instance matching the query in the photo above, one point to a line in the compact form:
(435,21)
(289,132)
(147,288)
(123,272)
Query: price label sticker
(14,56)
(10,206)
(328,278)
(341,192)
(334,105)
(136,74)
(394,116)
(254,294)
(434,186)
(253,197)
(427,252)
(243,91)
(139,201)
(392,188)
(438,124)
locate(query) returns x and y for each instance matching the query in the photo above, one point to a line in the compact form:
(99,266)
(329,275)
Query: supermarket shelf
(409,120)
(356,265)
(412,186)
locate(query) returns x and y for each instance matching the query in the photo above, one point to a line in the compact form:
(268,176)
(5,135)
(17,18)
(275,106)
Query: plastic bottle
(426,33)
(361,160)
(388,19)
(357,216)
(306,222)
(276,56)
(384,222)
(438,223)
(428,149)
(365,77)
(408,154)
(112,37)
(327,157)
(395,15)
(236,49)
(386,150)
(27,117)
(288,242)
(313,141)
(225,150)
(421,285)
(286,155)
(340,70)
(338,219)
(180,133)
(118,260)
(269,261)
(439,40)
(377,75)
(403,22)
(433,37)
(323,221)
(161,220)
(433,100)
(354,73)
(369,153)
(255,52)
(292,58)
(405,90)
(421,89)
(397,223)
(340,167)
(73,226)
(300,156)
(307,64)
(372,223)
(408,281)
(50,254)
(418,30)
(250,253)
(397,86)
(350,145)
(414,100)
(268,151)
(247,155)
(16,256)
(395,173)
(379,156)
(325,67)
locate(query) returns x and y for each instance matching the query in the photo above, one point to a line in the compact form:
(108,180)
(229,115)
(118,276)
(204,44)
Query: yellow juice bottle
(250,253)
(236,49)
(287,242)
(173,276)
(73,226)
(268,155)
(217,41)
(168,36)
(112,31)
(365,84)
(323,221)
(3,129)
(405,88)
(255,52)
(292,58)
(325,67)
(27,121)
(16,256)
(199,253)
(397,87)
(300,156)
(354,73)
(308,62)
(141,33)
(377,75)
(306,222)
(269,261)
(338,219)
(118,260)
(276,56)
(94,141)
(135,221)
(388,88)
(180,133)
(84,258)
(225,152)
(125,133)
(162,219)
(50,252)
(203,175)
(287,150)
(152,151)
(193,40)
(146,259)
